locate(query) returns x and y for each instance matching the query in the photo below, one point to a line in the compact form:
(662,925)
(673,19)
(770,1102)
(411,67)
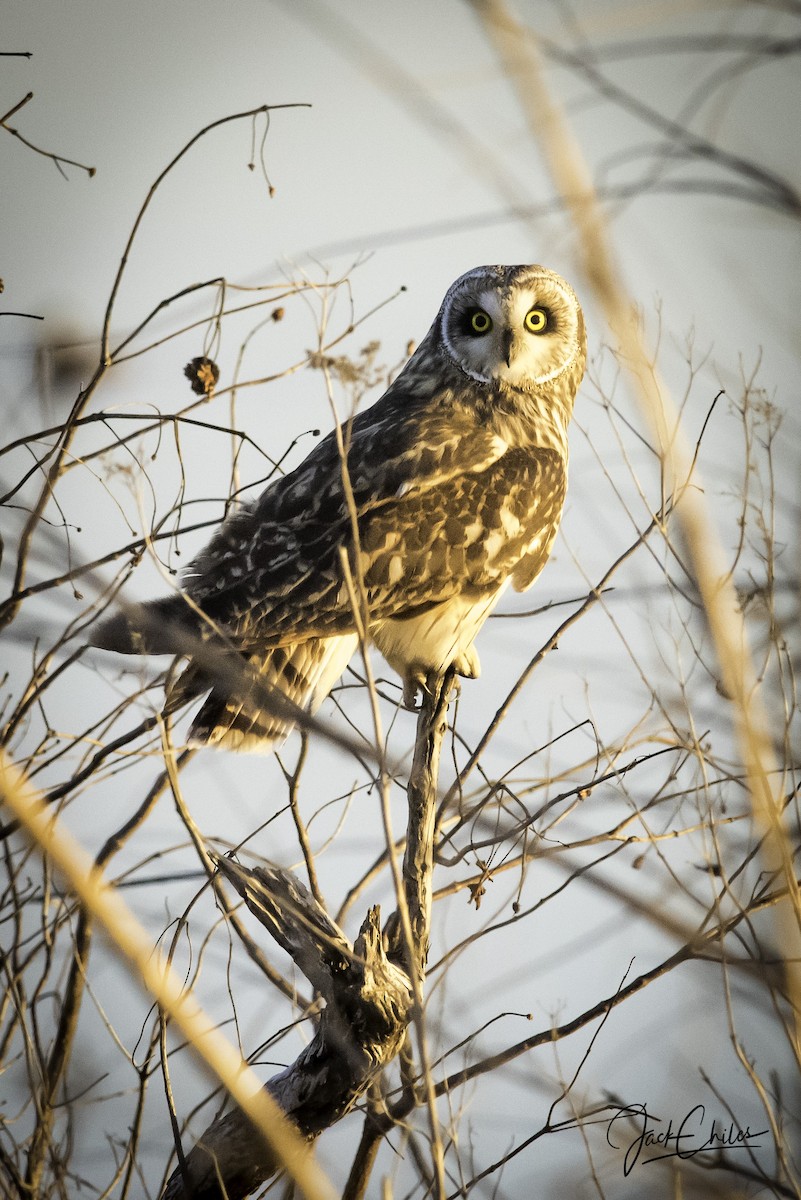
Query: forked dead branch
(367,987)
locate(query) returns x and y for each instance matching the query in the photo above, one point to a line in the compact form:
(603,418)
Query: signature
(680,1139)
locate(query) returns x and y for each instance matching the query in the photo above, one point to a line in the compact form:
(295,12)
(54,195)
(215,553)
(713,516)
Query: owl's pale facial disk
(518,325)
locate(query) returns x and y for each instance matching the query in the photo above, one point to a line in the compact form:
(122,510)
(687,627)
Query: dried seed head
(203,374)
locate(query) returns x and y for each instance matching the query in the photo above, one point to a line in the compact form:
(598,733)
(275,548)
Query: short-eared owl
(458,476)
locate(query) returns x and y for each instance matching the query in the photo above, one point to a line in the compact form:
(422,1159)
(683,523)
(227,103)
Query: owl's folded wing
(285,548)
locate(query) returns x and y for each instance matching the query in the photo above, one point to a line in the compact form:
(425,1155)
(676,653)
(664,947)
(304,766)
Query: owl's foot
(414,681)
(417,679)
(468,664)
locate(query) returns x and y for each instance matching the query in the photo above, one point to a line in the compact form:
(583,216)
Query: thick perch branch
(368,991)
(418,861)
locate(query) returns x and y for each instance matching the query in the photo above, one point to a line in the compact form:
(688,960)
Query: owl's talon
(419,684)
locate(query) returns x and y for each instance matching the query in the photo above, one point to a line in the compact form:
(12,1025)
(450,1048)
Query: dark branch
(368,1007)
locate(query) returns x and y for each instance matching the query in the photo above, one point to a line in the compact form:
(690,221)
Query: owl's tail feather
(158,627)
(237,713)
(227,722)
(304,673)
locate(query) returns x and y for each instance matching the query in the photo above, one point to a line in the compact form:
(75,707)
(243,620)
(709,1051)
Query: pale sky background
(405,164)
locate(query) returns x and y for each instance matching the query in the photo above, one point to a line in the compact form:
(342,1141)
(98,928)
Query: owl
(456,477)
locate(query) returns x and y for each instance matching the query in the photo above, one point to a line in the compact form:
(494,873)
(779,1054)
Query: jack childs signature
(677,1139)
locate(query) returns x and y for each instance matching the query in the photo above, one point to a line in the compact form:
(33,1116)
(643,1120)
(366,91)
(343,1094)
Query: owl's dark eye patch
(475,322)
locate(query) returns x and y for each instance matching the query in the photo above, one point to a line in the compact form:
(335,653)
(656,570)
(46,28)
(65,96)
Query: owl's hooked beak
(507,338)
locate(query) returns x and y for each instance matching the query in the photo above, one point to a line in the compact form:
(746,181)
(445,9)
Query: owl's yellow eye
(536,320)
(480,322)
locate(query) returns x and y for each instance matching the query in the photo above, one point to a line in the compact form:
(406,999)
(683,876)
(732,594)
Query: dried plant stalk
(518,51)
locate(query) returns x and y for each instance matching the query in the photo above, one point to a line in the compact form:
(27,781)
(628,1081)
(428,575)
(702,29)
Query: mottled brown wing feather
(273,571)
(461,536)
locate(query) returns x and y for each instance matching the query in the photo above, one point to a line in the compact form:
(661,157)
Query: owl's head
(520,325)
